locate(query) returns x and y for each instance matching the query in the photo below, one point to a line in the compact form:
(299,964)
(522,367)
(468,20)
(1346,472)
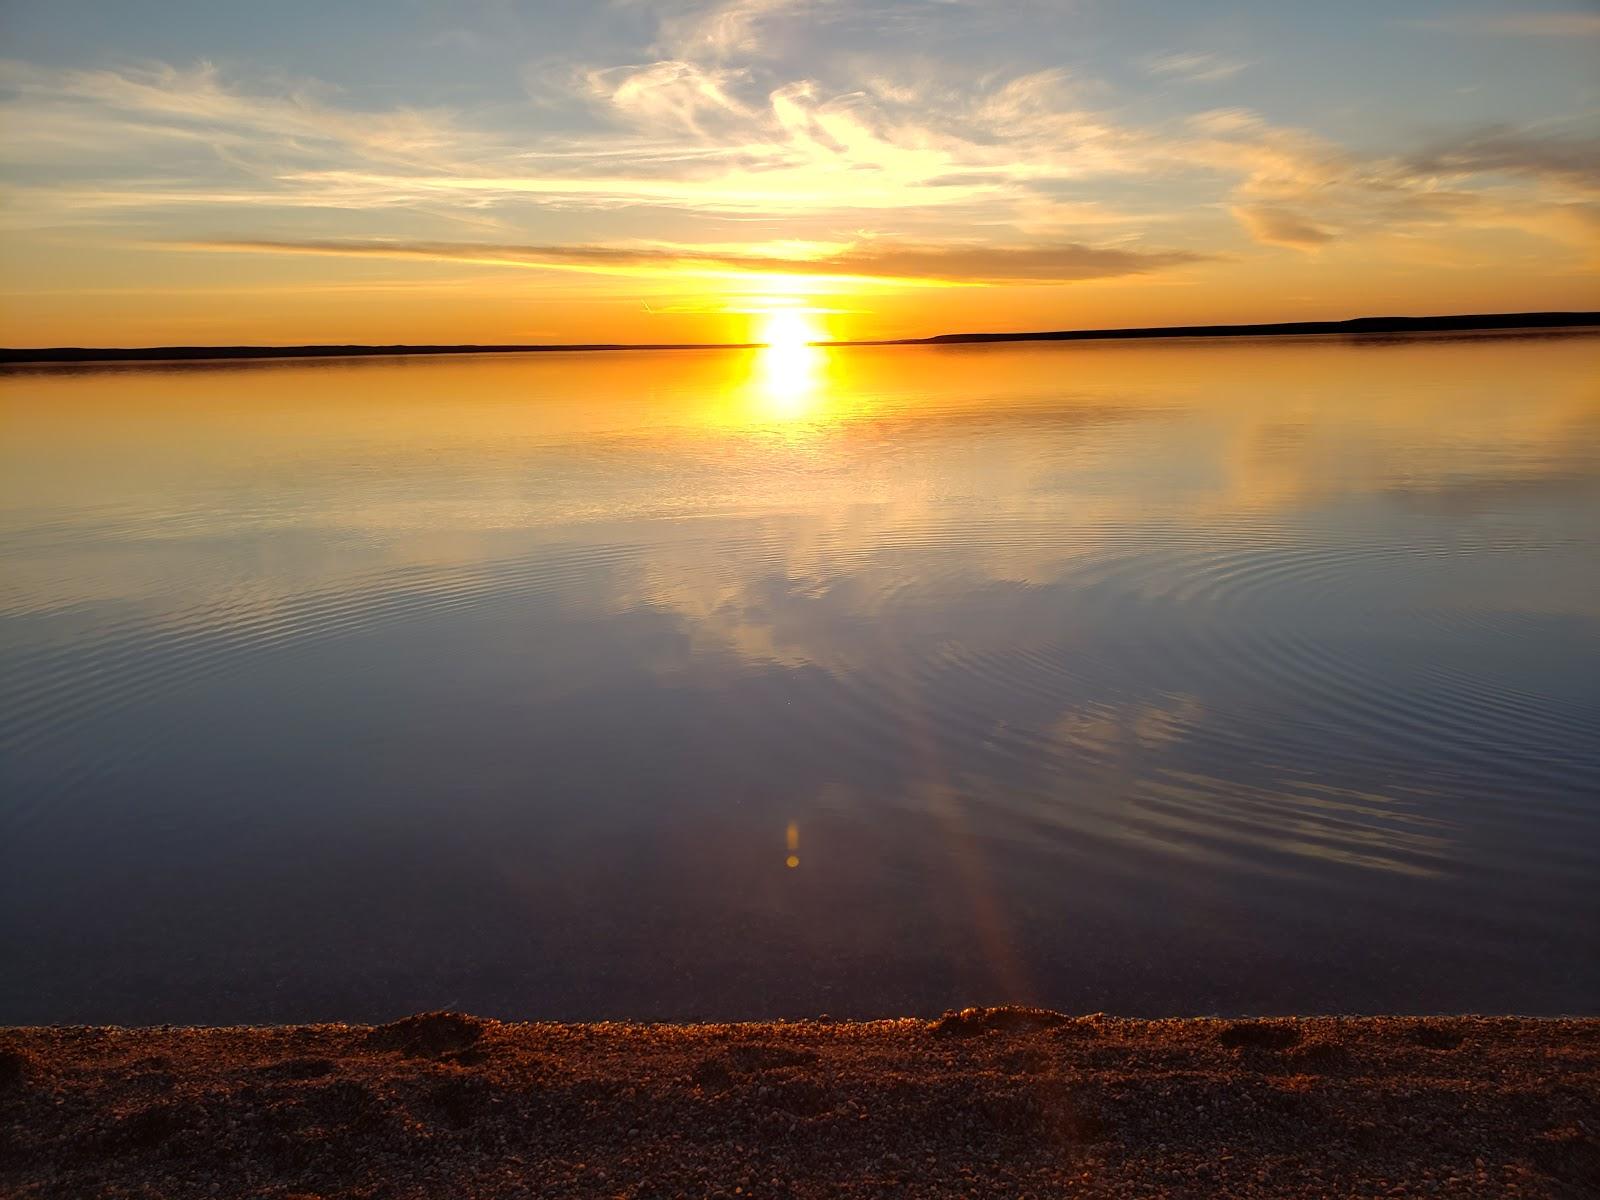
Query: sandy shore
(999,1102)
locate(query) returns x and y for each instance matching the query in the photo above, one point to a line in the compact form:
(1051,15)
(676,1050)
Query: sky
(189,172)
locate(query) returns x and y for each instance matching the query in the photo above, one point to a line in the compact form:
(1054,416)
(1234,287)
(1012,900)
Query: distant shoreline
(1355,327)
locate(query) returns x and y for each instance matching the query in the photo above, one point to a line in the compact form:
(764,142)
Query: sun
(788,363)
(788,329)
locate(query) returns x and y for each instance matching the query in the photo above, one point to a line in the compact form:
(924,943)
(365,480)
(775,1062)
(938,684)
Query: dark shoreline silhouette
(1356,327)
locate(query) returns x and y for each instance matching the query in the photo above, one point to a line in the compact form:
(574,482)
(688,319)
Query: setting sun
(788,329)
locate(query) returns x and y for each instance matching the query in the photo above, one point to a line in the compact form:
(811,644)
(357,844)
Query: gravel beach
(988,1102)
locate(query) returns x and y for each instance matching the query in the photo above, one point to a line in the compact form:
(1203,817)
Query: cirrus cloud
(873,260)
(1555,24)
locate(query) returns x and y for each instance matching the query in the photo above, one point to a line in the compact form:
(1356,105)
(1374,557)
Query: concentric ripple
(1059,681)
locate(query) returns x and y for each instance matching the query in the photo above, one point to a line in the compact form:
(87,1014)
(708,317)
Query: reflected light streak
(789,364)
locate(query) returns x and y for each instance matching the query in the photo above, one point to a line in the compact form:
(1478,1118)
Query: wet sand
(998,1102)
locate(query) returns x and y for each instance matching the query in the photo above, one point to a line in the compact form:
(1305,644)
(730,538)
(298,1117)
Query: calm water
(1165,678)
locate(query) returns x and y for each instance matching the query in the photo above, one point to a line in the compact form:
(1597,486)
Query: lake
(1216,676)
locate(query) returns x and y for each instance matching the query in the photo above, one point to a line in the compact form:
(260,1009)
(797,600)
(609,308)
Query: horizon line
(1358,326)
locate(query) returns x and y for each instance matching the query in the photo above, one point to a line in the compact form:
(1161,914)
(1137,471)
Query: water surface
(1244,677)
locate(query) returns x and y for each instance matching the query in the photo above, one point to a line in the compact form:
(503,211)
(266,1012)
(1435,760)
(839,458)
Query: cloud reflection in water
(1137,678)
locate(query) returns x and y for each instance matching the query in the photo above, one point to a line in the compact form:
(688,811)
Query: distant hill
(1357,327)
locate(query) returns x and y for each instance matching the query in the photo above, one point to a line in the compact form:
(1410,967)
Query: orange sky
(682,171)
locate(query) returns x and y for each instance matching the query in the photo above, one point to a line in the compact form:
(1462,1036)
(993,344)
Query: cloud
(979,181)
(1011,264)
(877,260)
(671,134)
(672,93)
(1573,161)
(1296,190)
(1193,67)
(1278,227)
(1526,24)
(762,31)
(106,111)
(734,27)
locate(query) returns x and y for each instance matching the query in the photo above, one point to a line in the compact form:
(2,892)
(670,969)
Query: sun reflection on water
(788,370)
(787,379)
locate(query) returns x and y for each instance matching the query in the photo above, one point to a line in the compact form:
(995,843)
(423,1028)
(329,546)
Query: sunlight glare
(789,361)
(788,328)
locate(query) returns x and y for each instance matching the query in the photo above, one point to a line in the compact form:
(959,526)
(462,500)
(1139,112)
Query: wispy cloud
(1299,191)
(985,182)
(109,111)
(869,260)
(1192,67)
(1280,227)
(729,28)
(1565,160)
(1553,24)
